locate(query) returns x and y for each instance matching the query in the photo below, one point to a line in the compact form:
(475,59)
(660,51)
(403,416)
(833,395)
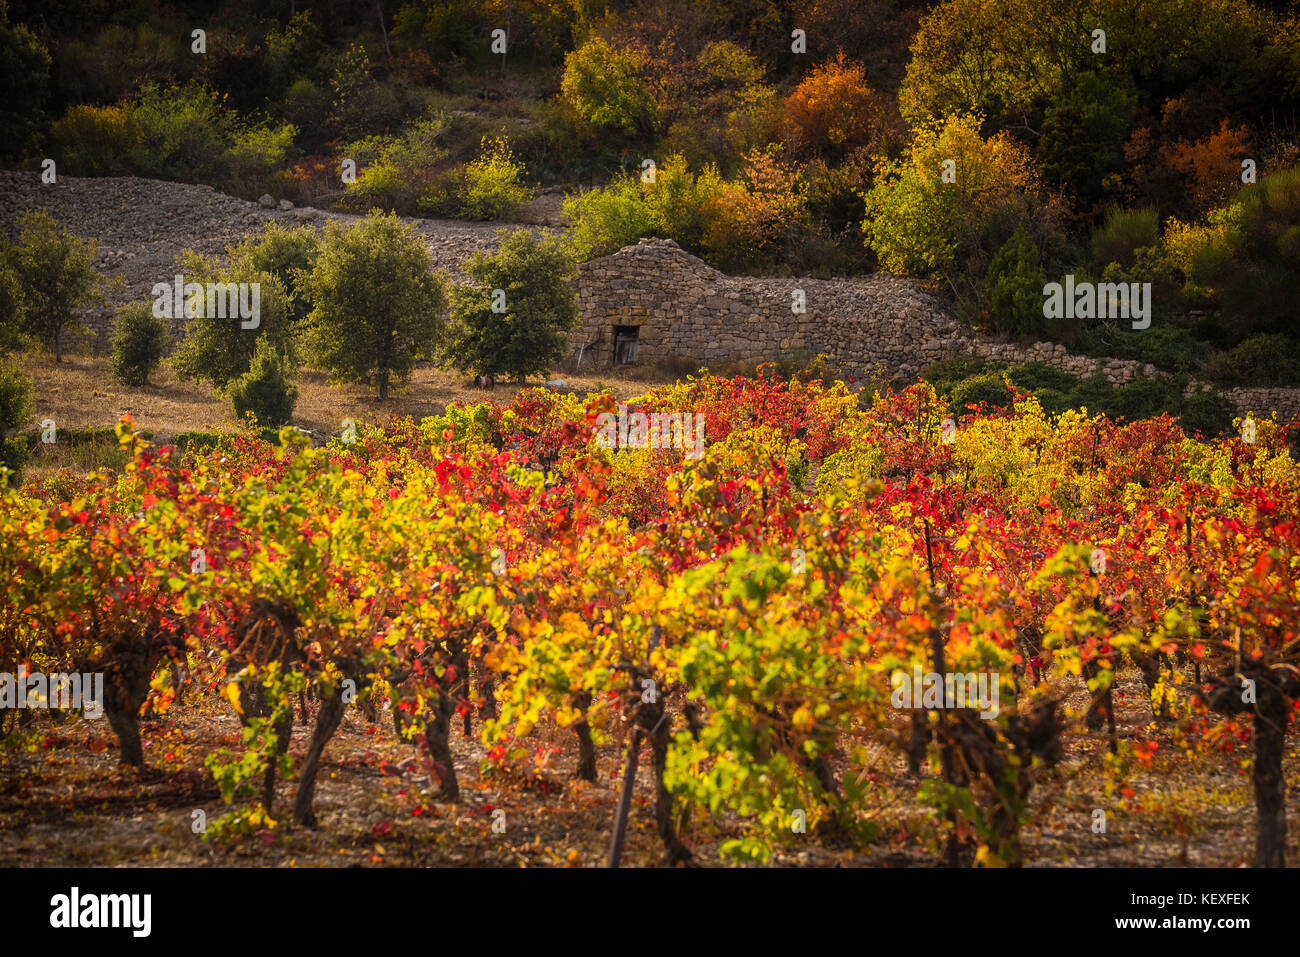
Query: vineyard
(734,635)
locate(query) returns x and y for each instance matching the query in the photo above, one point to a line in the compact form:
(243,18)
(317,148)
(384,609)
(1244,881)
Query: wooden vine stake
(624,799)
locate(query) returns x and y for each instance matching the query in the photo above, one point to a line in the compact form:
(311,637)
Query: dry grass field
(80,393)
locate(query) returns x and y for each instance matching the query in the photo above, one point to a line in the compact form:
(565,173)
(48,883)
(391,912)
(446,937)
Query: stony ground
(64,801)
(143,225)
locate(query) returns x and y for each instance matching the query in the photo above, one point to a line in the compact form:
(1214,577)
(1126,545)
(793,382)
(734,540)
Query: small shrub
(15,412)
(1260,360)
(603,221)
(256,154)
(196,442)
(139,340)
(491,189)
(1053,401)
(1124,232)
(94,140)
(1013,287)
(183,133)
(947,373)
(1143,398)
(397,172)
(1167,347)
(265,389)
(1036,377)
(1208,412)
(985,387)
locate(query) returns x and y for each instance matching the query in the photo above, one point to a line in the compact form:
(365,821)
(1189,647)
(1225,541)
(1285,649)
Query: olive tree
(513,318)
(377,305)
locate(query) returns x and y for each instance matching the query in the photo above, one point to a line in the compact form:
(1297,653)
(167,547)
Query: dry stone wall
(683,309)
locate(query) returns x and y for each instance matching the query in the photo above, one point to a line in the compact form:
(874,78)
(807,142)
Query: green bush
(305,104)
(1124,232)
(285,252)
(603,221)
(985,387)
(255,155)
(540,307)
(610,89)
(1143,398)
(1209,413)
(13,308)
(118,60)
(94,140)
(1251,263)
(295,52)
(139,340)
(395,173)
(218,349)
(58,276)
(25,79)
(183,133)
(492,187)
(265,389)
(1036,376)
(1053,401)
(687,206)
(1260,360)
(360,104)
(196,442)
(1167,347)
(1013,287)
(945,374)
(15,413)
(1083,136)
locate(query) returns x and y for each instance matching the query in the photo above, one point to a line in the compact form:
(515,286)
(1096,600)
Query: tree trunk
(126,685)
(586,747)
(488,709)
(283,731)
(327,722)
(1275,691)
(436,734)
(1095,719)
(382,29)
(1270,786)
(918,741)
(124,724)
(660,734)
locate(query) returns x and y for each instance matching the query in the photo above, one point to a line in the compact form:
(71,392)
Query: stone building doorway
(625,339)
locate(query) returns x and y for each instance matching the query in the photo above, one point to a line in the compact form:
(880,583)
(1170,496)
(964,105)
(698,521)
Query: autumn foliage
(746,611)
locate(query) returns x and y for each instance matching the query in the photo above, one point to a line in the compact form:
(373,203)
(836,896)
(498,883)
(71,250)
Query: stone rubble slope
(143,226)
